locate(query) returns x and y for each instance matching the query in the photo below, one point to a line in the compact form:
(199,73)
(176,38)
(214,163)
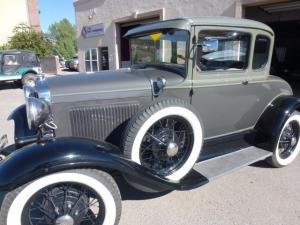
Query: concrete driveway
(256,195)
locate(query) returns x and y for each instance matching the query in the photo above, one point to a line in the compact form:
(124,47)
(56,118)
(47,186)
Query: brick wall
(50,65)
(33,14)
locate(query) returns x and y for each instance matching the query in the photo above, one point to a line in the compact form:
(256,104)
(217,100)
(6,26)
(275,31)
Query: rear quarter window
(261,52)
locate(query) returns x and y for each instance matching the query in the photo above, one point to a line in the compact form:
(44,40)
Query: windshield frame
(164,65)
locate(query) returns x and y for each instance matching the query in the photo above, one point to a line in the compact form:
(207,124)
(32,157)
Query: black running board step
(222,165)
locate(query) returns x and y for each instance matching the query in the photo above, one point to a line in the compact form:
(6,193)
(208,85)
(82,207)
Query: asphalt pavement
(254,195)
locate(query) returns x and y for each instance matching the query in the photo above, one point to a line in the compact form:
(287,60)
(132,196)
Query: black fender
(273,119)
(40,159)
(23,135)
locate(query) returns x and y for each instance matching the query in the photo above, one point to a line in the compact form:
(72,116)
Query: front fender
(23,135)
(273,119)
(24,70)
(37,160)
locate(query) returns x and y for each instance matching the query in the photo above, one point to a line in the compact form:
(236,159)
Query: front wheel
(75,197)
(166,138)
(288,144)
(29,79)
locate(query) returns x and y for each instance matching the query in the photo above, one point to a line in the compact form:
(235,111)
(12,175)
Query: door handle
(245,82)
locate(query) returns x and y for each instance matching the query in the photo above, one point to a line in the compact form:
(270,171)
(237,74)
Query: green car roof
(186,23)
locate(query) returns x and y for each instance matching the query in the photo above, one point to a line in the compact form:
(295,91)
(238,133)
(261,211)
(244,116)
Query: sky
(52,11)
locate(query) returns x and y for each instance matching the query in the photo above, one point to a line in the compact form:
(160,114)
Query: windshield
(163,47)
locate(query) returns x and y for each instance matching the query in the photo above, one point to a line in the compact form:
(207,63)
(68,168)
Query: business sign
(92,30)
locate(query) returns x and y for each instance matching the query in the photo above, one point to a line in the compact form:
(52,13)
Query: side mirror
(210,45)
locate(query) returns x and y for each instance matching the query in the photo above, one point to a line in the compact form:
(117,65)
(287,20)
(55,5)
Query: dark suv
(19,65)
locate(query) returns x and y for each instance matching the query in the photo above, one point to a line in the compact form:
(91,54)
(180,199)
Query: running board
(222,165)
(211,169)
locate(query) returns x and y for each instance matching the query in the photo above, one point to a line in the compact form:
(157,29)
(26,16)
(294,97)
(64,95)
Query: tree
(26,38)
(4,47)
(64,34)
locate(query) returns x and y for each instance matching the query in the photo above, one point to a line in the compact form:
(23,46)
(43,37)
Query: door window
(12,60)
(103,58)
(261,52)
(30,59)
(222,50)
(91,60)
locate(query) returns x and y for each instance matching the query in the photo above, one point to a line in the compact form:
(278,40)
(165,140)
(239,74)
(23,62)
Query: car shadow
(8,85)
(130,193)
(261,164)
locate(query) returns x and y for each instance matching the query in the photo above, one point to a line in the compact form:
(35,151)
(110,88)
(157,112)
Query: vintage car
(72,64)
(198,102)
(21,66)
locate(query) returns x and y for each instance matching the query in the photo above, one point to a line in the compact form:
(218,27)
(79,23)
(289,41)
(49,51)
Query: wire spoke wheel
(64,204)
(166,145)
(289,139)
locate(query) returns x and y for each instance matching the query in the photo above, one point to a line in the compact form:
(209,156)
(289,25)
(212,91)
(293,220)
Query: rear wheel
(76,197)
(288,144)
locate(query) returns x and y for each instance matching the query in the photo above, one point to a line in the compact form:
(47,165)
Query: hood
(124,83)
(100,85)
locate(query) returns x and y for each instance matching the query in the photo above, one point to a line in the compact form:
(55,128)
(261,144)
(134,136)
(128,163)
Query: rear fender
(40,159)
(273,119)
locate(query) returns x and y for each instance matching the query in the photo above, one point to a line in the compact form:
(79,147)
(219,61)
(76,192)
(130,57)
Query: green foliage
(4,47)
(64,34)
(26,38)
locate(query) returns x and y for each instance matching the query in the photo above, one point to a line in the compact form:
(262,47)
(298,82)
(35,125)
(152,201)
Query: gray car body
(98,106)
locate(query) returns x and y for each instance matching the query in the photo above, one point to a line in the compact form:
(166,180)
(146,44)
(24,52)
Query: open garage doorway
(284,18)
(122,29)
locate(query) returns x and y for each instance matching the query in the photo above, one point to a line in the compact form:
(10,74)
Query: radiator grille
(98,122)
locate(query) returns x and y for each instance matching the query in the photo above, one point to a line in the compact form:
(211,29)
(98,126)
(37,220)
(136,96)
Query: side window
(219,50)
(29,59)
(261,52)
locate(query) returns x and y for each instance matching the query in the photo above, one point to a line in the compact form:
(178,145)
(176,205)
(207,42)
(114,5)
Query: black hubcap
(288,139)
(166,145)
(64,204)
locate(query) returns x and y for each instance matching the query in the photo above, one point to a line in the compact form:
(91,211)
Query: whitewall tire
(101,184)
(288,144)
(165,121)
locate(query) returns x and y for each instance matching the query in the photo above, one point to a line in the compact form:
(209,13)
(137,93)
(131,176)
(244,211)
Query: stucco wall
(12,12)
(111,11)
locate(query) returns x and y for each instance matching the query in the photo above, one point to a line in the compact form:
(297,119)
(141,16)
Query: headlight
(37,102)
(38,111)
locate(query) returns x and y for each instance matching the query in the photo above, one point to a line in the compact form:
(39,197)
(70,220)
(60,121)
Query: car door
(221,91)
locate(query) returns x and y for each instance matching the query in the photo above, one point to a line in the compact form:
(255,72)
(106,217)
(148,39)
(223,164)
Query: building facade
(101,24)
(14,12)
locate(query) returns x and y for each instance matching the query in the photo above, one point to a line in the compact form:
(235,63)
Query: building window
(261,52)
(222,50)
(91,60)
